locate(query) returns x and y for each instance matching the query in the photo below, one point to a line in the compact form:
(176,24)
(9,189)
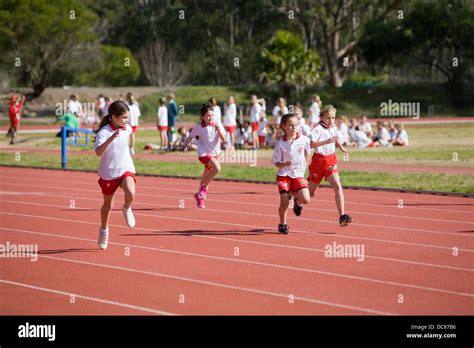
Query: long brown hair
(117,108)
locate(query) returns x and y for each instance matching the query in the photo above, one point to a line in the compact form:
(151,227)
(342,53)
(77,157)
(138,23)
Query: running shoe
(103,238)
(129,218)
(283,229)
(344,220)
(199,200)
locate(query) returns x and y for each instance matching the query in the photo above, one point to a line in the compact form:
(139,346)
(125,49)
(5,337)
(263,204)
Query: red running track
(416,251)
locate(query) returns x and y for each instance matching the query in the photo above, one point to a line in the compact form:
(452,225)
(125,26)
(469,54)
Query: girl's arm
(100,150)
(284,164)
(339,145)
(315,144)
(221,134)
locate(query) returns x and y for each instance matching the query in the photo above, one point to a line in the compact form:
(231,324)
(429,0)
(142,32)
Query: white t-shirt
(343,133)
(255,111)
(383,137)
(403,135)
(304,128)
(321,133)
(361,139)
(134,114)
(295,151)
(209,142)
(217,114)
(365,127)
(314,112)
(262,130)
(393,134)
(277,115)
(116,159)
(352,133)
(162,116)
(230,115)
(74,107)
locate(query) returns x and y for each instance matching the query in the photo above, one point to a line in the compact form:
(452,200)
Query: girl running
(209,135)
(290,156)
(116,167)
(162,124)
(323,164)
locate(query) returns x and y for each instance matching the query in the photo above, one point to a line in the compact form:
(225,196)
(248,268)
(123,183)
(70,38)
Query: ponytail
(117,108)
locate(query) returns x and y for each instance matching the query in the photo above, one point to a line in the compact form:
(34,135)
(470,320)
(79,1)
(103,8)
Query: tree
(38,36)
(285,63)
(116,67)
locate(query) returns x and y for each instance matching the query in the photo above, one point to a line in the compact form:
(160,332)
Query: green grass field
(435,145)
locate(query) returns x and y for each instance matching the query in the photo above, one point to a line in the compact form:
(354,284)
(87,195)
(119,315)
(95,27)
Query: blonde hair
(328,108)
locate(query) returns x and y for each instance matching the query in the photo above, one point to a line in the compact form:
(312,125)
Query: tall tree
(38,36)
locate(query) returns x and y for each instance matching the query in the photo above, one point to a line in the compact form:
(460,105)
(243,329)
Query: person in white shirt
(314,111)
(361,140)
(402,136)
(392,131)
(255,112)
(239,135)
(162,124)
(230,120)
(279,110)
(116,168)
(342,130)
(290,156)
(383,137)
(304,128)
(352,131)
(211,135)
(324,162)
(365,126)
(133,119)
(217,110)
(262,130)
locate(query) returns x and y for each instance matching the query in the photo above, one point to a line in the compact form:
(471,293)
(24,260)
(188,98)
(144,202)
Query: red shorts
(286,183)
(14,122)
(322,167)
(254,126)
(262,139)
(230,129)
(163,128)
(205,160)
(134,129)
(110,186)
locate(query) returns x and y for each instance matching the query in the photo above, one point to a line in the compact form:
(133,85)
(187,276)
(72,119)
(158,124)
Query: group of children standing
(290,157)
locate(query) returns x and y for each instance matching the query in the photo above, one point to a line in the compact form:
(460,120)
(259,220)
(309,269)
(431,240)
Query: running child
(116,168)
(324,162)
(290,156)
(210,135)
(14,111)
(133,119)
(162,124)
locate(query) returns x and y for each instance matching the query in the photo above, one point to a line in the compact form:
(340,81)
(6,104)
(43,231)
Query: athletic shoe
(103,238)
(199,200)
(344,220)
(203,191)
(283,229)
(297,208)
(129,218)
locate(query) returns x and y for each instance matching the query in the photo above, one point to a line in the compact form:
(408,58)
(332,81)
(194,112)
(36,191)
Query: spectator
(352,129)
(217,110)
(402,136)
(365,126)
(230,117)
(383,137)
(314,111)
(392,131)
(361,139)
(342,130)
(172,114)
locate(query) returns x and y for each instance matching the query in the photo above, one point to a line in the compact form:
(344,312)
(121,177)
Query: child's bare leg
(256,141)
(312,187)
(128,186)
(333,179)
(208,175)
(302,196)
(283,209)
(105,210)
(232,139)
